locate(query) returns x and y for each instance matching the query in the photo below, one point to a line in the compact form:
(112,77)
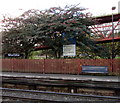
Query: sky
(17,7)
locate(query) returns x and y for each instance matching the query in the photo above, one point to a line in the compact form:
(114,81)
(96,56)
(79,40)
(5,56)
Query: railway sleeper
(69,89)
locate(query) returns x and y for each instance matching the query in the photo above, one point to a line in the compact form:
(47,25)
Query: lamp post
(113,8)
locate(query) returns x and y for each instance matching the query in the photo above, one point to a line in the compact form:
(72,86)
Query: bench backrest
(94,69)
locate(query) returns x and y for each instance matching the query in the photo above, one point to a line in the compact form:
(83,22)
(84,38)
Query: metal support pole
(113,46)
(112,36)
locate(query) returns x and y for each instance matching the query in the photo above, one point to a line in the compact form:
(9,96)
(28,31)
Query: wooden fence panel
(116,66)
(7,65)
(64,66)
(70,66)
(53,65)
(34,66)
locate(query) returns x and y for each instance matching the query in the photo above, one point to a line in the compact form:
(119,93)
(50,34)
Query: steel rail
(54,96)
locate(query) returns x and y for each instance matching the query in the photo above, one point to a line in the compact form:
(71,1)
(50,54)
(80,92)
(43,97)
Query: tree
(112,48)
(19,36)
(47,28)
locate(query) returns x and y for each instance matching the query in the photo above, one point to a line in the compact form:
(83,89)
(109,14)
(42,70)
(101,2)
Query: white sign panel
(69,50)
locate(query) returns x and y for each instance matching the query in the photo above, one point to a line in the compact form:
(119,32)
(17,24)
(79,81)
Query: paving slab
(62,76)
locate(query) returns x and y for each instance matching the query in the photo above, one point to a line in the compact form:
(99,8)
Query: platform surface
(62,76)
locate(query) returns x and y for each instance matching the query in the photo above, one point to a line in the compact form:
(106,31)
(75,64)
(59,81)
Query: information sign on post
(69,50)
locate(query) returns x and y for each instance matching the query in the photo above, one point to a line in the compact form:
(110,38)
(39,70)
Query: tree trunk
(59,54)
(26,55)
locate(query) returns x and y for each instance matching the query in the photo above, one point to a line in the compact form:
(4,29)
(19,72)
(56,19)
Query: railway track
(72,94)
(33,83)
(54,96)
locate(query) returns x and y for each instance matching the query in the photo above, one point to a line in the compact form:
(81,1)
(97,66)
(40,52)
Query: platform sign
(69,50)
(71,40)
(13,55)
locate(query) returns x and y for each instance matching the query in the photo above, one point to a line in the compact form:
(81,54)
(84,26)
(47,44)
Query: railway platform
(61,76)
(71,87)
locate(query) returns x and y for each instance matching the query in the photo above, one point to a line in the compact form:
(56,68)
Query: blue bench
(94,69)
